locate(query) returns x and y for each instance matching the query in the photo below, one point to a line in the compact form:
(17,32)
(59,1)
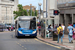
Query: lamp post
(39,11)
(11,16)
(30,9)
(46,8)
(35,10)
(6,13)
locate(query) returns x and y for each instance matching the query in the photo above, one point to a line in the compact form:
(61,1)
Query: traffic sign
(56,12)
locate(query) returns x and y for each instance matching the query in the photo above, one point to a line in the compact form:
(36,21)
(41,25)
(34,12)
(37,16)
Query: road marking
(21,40)
(24,40)
(25,48)
(27,40)
(48,44)
(18,43)
(22,46)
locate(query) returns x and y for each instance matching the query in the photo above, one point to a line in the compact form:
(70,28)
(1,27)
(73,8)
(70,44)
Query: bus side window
(33,24)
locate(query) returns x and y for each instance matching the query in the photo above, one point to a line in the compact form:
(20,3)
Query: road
(8,41)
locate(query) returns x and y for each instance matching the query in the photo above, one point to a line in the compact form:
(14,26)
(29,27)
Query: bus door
(33,23)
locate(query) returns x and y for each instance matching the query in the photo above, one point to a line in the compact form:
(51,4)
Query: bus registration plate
(26,35)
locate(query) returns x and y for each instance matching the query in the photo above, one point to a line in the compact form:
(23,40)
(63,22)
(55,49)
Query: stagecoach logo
(27,31)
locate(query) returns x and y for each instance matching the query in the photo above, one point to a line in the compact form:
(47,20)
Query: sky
(33,2)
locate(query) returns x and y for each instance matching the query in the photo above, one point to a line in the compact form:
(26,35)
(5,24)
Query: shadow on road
(26,37)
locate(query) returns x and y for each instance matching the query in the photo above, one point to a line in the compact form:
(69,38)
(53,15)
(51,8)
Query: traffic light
(56,12)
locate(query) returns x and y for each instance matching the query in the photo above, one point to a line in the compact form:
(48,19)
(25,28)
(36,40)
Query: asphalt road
(8,41)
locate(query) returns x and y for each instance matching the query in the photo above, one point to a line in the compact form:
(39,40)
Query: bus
(26,26)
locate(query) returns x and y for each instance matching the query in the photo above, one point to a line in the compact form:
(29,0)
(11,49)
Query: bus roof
(25,17)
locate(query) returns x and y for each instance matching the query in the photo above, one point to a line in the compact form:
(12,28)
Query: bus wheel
(35,36)
(17,36)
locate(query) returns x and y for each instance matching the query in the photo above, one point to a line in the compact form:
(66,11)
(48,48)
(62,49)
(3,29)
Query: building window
(11,0)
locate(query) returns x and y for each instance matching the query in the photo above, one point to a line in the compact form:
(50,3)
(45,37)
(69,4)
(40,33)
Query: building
(6,10)
(67,11)
(27,7)
(50,6)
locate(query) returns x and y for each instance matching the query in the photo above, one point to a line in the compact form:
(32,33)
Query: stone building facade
(6,10)
(67,12)
(27,7)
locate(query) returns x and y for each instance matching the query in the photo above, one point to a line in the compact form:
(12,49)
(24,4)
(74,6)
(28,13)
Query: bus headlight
(20,32)
(34,32)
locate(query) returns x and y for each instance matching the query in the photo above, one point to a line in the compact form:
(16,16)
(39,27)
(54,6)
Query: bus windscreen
(24,24)
(27,24)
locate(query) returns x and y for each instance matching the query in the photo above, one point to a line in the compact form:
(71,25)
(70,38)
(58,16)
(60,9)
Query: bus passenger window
(32,25)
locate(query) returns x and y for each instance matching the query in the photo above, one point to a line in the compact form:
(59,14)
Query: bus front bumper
(27,34)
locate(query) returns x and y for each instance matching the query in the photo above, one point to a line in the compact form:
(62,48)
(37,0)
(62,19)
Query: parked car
(2,27)
(13,26)
(8,26)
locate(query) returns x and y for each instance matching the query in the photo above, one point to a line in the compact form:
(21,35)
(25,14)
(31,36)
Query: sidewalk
(65,44)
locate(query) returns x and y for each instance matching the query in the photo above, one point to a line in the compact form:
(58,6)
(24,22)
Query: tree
(20,12)
(23,12)
(33,13)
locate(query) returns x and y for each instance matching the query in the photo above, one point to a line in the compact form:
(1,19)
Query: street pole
(46,8)
(11,17)
(6,14)
(35,11)
(39,11)
(30,9)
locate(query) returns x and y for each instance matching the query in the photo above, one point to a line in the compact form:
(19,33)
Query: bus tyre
(35,36)
(17,36)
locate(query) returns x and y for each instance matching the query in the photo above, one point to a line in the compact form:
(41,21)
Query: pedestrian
(70,33)
(56,26)
(39,27)
(50,28)
(74,32)
(63,29)
(11,28)
(60,33)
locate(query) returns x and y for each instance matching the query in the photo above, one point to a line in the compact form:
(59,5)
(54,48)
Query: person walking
(74,32)
(11,28)
(70,33)
(39,27)
(63,29)
(56,26)
(60,33)
(50,28)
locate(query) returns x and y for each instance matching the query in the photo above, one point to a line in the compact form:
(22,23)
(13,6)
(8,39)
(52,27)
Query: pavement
(66,45)
(8,41)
